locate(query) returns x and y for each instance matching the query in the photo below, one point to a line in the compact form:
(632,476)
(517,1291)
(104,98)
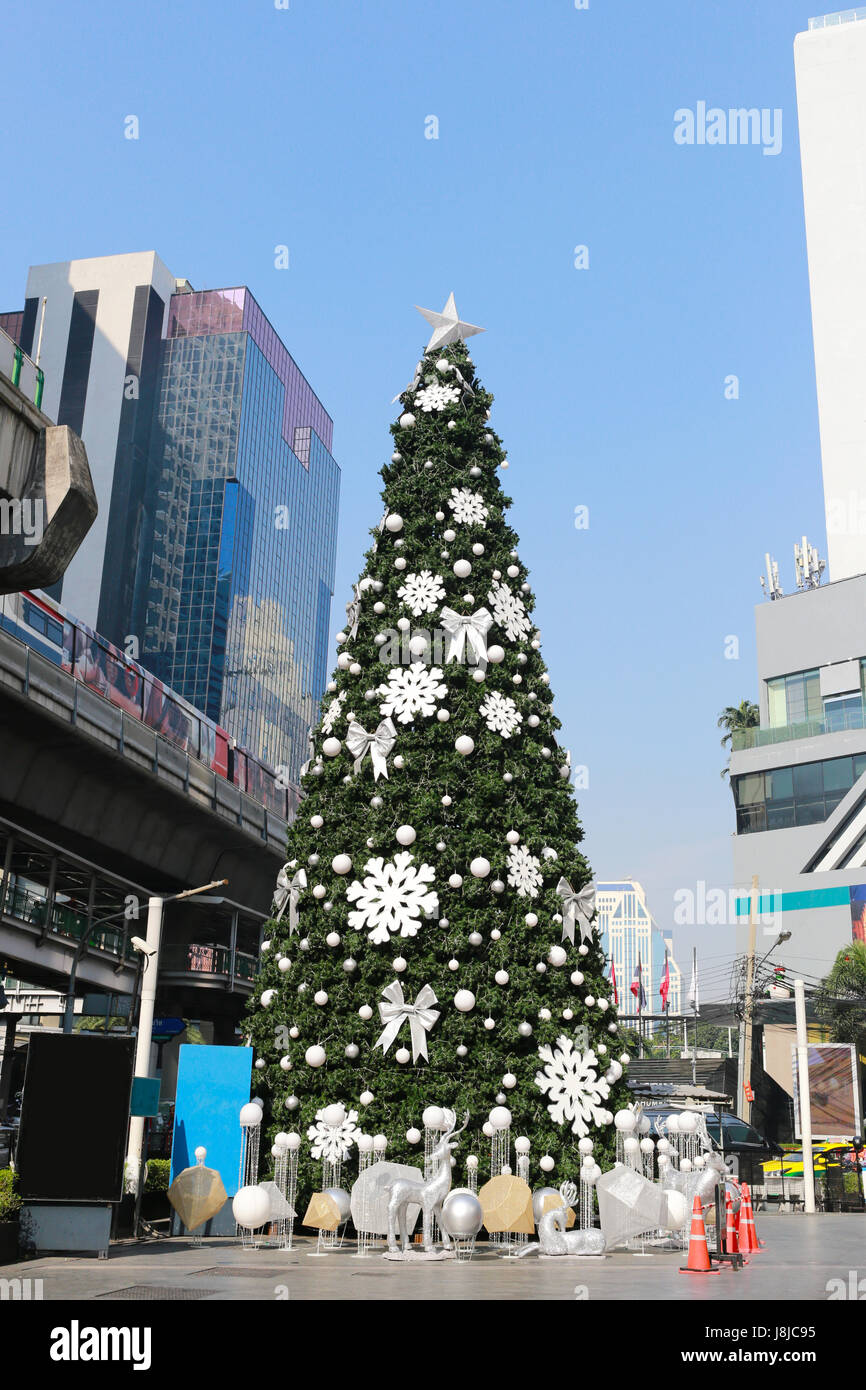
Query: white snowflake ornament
(437,397)
(468,507)
(393,898)
(421,593)
(333,1142)
(332,714)
(509,611)
(574,1088)
(501,714)
(412,690)
(524,871)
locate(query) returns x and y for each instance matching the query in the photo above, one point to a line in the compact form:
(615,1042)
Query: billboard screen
(833,1091)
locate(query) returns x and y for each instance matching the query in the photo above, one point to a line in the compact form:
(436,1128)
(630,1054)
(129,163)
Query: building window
(794,699)
(787,796)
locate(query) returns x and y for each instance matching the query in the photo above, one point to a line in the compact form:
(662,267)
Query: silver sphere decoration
(462,1215)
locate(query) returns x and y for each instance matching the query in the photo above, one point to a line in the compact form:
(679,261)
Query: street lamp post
(149,950)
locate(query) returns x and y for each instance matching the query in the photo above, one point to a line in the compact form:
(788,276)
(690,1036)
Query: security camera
(138,944)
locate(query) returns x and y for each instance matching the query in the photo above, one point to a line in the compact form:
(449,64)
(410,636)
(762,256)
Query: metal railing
(209,959)
(838,723)
(21,370)
(828,21)
(32,908)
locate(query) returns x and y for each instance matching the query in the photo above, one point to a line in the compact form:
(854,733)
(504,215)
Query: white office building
(830,66)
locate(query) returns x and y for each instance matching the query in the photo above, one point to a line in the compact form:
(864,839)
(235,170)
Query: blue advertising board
(212,1085)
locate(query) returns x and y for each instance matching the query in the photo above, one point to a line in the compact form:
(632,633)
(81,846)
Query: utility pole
(695,1008)
(744,1107)
(805,1098)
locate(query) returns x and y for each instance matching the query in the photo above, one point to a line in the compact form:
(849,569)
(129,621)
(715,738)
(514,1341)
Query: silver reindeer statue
(428,1195)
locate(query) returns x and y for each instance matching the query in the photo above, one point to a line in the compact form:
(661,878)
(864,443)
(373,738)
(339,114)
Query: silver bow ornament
(576,907)
(353,613)
(378,745)
(471,628)
(394,1014)
(289,891)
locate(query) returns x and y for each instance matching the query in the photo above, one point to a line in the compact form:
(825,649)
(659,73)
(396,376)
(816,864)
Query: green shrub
(9,1199)
(158,1170)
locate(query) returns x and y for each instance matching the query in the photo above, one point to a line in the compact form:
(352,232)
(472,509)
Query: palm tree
(733,718)
(841,998)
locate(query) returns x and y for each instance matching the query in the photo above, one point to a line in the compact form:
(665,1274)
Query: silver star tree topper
(447,327)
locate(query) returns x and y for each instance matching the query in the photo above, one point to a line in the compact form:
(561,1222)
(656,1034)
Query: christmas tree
(435,942)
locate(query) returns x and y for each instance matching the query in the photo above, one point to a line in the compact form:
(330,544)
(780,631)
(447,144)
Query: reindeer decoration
(554,1238)
(429,1194)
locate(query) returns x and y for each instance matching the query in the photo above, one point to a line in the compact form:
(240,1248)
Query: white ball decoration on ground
(464,745)
(480,867)
(464,1001)
(625,1121)
(315,1056)
(433,1117)
(341,863)
(646,1145)
(251,1115)
(462,1214)
(406,835)
(251,1207)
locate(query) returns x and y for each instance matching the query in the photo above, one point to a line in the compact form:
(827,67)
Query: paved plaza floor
(803,1254)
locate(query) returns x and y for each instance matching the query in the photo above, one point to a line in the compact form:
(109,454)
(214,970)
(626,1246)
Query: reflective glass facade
(804,794)
(235,588)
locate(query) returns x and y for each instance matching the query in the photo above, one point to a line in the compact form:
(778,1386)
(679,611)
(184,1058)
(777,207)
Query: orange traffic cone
(699,1255)
(754,1243)
(732,1244)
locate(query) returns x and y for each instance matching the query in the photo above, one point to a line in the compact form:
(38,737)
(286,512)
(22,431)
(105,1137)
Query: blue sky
(306,127)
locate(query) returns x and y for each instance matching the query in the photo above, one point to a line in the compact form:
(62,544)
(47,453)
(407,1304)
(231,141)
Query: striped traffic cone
(753,1231)
(748,1238)
(732,1244)
(699,1255)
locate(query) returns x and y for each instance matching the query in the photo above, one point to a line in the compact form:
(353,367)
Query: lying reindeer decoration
(554,1238)
(429,1194)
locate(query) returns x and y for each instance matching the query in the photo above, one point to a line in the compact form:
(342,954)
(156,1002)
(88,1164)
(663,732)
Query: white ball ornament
(286,1063)
(495,934)
(475,938)
(455,881)
(453,964)
(315,1056)
(464,1001)
(478,548)
(292,1102)
(316,822)
(501,977)
(284,964)
(380,1143)
(366,1097)
(480,867)
(251,1115)
(319,892)
(393,522)
(320,997)
(433,1117)
(365,1012)
(403,1055)
(407,420)
(531,919)
(478,675)
(351,1051)
(546,1164)
(462,568)
(497,886)
(490,1024)
(464,745)
(332,939)
(512,837)
(557,955)
(509,1081)
(399,964)
(488,1129)
(449,535)
(267,998)
(399,761)
(446,800)
(443,715)
(354,670)
(541,968)
(500,1117)
(512,571)
(413,1136)
(400,563)
(589,1001)
(294,1031)
(496,654)
(524,1029)
(544,1015)
(583,949)
(462,1051)
(350,965)
(405,835)
(251,1207)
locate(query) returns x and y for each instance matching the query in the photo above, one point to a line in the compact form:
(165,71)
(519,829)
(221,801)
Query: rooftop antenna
(770,585)
(808,565)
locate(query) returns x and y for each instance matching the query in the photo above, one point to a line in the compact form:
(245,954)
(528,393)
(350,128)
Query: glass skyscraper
(235,572)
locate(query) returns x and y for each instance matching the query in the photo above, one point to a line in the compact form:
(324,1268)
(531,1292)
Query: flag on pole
(636,986)
(665,986)
(693,998)
(613,983)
